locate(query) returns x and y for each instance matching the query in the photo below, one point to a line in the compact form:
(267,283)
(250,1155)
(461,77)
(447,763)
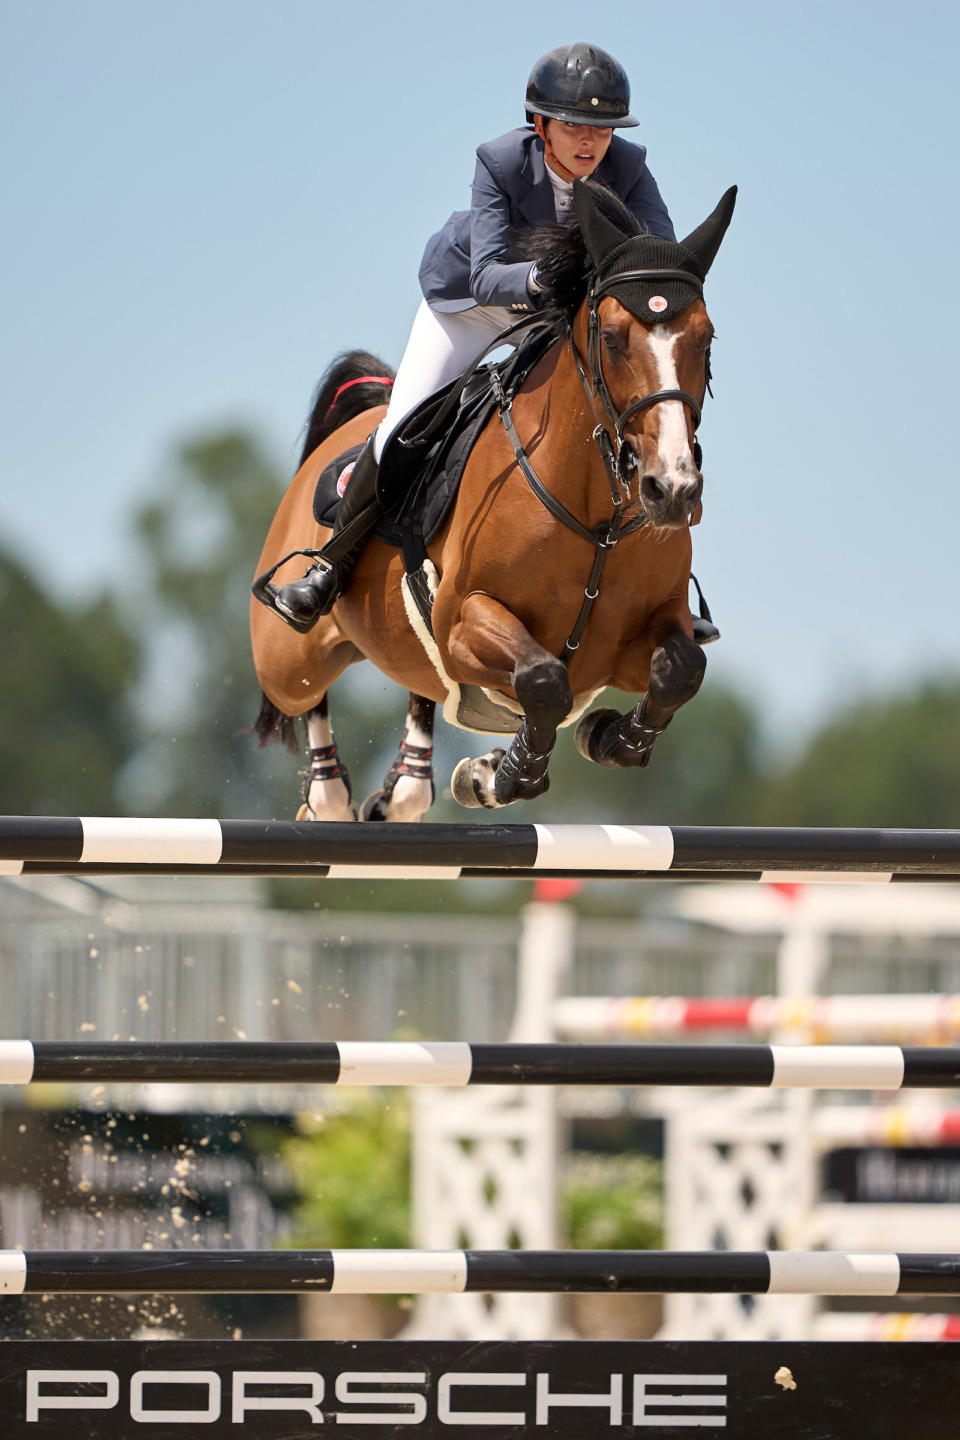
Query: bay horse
(591,466)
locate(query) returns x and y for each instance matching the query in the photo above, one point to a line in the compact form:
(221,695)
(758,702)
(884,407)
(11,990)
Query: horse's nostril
(690,492)
(652,490)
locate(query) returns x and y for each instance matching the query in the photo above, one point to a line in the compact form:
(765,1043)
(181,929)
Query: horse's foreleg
(326,786)
(490,647)
(676,666)
(408,789)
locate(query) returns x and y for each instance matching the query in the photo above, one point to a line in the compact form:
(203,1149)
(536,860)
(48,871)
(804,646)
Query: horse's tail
(355,381)
(272,725)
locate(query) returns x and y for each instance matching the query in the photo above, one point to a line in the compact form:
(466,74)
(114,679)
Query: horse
(596,448)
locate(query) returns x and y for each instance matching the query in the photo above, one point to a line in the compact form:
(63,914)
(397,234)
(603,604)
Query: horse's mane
(325,417)
(563,265)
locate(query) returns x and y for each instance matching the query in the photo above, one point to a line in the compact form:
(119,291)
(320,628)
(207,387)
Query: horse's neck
(565,455)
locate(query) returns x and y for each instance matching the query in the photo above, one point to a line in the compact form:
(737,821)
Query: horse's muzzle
(668,503)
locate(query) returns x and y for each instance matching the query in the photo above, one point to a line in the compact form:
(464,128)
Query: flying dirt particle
(143,1004)
(240,1034)
(292,985)
(784,1377)
(97,1091)
(188,960)
(238,1333)
(86,1027)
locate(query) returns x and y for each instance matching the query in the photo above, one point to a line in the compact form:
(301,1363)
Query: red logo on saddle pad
(344,478)
(657,303)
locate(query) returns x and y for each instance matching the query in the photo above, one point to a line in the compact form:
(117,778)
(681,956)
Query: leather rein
(618,459)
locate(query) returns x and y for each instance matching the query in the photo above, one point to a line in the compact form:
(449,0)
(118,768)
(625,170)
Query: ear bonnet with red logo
(614,251)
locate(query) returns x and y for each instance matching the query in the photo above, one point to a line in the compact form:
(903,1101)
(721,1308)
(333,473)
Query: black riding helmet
(582,84)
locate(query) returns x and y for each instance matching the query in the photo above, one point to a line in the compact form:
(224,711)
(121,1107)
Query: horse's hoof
(461,786)
(590,732)
(472,784)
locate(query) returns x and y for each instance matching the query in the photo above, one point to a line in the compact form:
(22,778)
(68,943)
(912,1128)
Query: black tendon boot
(302,602)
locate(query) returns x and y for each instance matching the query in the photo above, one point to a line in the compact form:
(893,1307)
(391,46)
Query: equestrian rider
(577,95)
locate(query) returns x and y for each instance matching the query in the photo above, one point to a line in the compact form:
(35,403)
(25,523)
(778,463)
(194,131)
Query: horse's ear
(600,235)
(705,240)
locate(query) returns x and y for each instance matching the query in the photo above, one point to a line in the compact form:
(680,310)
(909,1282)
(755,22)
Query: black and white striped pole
(453,1272)
(99,845)
(458,1063)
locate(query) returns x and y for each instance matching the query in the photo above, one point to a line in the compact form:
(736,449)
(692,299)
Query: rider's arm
(646,202)
(493,279)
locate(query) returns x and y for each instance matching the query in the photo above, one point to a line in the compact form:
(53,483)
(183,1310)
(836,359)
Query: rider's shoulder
(625,158)
(509,151)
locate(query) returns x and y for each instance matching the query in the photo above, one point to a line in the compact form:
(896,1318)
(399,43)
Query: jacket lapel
(536,204)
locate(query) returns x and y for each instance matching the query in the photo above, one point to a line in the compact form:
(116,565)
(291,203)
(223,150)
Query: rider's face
(579,148)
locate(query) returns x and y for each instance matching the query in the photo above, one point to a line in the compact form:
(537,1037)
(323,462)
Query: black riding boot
(302,602)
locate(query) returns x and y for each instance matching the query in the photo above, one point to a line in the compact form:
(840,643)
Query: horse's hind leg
(491,647)
(408,789)
(326,784)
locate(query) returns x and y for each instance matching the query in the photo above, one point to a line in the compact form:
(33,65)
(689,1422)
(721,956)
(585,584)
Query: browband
(623,276)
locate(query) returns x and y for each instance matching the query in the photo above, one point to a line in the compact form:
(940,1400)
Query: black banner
(880,1175)
(576,1390)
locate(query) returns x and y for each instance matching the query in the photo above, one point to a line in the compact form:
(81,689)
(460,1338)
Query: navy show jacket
(470,261)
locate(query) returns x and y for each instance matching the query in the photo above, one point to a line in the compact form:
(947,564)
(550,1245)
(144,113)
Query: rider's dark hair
(563,266)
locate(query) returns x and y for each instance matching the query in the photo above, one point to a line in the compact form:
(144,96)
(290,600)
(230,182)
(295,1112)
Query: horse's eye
(611,341)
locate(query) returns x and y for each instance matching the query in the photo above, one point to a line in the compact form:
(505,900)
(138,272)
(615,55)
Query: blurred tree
(612,1202)
(65,719)
(352,1172)
(705,769)
(883,762)
(200,537)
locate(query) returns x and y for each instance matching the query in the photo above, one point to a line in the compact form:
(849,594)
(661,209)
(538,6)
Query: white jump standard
(53,844)
(453,1272)
(453,1063)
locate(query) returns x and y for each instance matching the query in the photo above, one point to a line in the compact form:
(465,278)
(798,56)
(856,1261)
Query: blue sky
(206,199)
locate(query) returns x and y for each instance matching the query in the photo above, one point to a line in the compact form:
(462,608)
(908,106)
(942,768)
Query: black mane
(563,266)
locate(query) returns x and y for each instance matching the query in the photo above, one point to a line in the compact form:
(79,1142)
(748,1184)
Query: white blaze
(673,442)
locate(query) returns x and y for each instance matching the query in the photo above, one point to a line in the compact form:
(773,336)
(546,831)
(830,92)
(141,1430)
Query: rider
(577,95)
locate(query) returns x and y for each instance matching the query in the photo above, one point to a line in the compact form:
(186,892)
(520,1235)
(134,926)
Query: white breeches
(440,348)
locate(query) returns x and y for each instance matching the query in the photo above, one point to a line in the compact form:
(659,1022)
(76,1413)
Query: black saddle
(424,459)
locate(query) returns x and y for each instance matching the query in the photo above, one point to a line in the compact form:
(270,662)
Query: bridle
(597,385)
(618,459)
